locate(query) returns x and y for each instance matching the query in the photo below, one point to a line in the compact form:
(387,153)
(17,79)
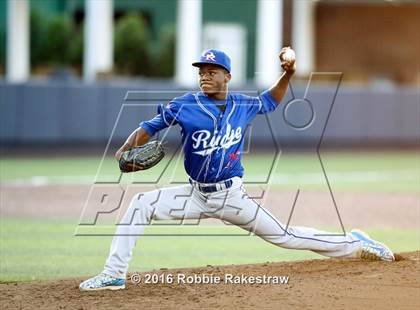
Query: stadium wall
(71,113)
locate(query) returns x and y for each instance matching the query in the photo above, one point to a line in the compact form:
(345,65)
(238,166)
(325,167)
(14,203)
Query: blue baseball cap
(214,57)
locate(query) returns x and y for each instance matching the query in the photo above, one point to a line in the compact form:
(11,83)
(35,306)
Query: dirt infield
(314,284)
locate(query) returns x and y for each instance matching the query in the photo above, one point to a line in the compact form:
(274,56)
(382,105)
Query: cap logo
(210,56)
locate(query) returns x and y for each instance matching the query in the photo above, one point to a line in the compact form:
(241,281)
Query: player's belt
(214,187)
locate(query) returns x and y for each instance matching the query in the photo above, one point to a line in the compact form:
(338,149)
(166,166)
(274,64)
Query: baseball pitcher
(212,124)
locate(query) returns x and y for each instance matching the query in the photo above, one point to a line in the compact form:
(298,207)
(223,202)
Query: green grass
(40,249)
(371,171)
(36,249)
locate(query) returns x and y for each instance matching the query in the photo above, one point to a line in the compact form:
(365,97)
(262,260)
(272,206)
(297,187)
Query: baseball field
(44,255)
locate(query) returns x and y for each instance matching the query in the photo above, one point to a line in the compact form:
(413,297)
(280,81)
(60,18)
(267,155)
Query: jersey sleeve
(266,103)
(262,104)
(167,116)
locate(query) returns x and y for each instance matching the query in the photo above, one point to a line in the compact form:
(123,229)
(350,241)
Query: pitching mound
(314,284)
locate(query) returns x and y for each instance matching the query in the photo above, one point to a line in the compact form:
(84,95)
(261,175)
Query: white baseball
(289,55)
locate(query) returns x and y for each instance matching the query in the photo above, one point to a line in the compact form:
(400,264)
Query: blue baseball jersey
(212,139)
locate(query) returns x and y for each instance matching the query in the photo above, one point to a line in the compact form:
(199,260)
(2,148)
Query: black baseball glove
(142,157)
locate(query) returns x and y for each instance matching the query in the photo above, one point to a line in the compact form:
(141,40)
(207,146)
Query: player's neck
(222,95)
(217,96)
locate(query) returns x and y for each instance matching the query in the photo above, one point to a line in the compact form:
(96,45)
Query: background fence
(68,113)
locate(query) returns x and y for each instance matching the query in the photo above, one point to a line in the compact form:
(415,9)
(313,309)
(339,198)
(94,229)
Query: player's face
(213,80)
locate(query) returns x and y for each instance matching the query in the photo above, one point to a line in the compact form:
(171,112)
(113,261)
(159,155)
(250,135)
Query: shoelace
(371,252)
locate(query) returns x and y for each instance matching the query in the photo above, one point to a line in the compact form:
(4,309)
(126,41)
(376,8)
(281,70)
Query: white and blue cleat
(102,282)
(371,249)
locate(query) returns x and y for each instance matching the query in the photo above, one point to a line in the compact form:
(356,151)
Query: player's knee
(142,202)
(140,211)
